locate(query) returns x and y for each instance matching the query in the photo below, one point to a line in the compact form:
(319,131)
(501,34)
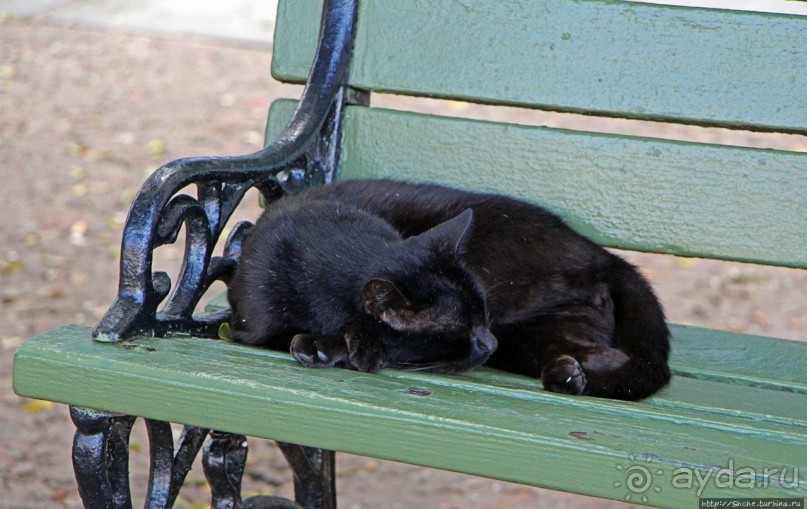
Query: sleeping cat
(340,287)
(562,308)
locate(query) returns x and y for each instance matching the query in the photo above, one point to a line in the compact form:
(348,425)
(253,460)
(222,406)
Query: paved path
(244,21)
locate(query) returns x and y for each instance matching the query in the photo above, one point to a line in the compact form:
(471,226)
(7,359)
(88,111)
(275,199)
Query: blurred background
(94,95)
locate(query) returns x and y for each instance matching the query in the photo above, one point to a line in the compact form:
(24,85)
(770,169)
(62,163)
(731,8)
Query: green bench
(733,422)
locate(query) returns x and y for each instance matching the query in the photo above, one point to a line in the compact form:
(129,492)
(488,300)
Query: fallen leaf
(114,222)
(253,137)
(125,138)
(148,170)
(78,278)
(55,292)
(59,495)
(12,267)
(10,343)
(741,278)
(761,317)
(78,172)
(31,240)
(196,482)
(227,100)
(54,260)
(79,150)
(78,190)
(458,105)
(78,232)
(38,405)
(128,196)
(225,332)
(7,72)
(155,147)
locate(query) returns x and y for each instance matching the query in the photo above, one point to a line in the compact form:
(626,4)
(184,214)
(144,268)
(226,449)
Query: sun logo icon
(638,481)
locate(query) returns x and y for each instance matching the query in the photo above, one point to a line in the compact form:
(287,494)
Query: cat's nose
(483,340)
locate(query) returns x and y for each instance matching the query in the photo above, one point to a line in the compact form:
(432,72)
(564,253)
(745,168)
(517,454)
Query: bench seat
(736,402)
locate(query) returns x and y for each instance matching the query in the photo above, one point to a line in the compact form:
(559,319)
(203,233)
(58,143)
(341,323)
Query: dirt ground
(85,115)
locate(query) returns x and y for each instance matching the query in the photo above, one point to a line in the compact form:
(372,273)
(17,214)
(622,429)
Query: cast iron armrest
(304,155)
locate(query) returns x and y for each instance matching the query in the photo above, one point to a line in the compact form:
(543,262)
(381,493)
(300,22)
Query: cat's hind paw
(563,374)
(315,351)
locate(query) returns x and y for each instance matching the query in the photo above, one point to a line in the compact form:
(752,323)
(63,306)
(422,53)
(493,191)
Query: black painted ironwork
(224,459)
(314,475)
(304,155)
(101,459)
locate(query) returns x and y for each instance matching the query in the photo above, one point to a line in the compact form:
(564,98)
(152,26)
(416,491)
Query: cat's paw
(365,349)
(313,351)
(564,374)
(368,360)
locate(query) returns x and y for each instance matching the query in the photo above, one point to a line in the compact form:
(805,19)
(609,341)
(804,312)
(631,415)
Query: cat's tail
(637,364)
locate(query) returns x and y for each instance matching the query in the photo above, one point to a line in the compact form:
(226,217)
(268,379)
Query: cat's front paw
(365,349)
(564,374)
(368,359)
(314,351)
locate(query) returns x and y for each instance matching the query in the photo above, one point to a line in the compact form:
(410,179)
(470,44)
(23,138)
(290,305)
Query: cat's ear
(380,295)
(454,233)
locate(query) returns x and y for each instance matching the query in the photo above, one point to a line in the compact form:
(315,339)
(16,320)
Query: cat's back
(416,207)
(526,236)
(293,228)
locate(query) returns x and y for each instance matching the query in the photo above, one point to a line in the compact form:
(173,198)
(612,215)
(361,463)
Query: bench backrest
(698,66)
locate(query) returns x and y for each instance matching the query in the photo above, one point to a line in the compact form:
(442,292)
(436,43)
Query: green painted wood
(740,358)
(486,423)
(643,194)
(605,57)
(697,398)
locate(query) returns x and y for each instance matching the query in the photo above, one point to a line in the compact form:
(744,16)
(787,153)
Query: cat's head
(435,306)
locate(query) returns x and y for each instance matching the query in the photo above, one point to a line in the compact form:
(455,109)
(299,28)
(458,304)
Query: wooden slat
(740,359)
(487,423)
(635,193)
(626,59)
(693,396)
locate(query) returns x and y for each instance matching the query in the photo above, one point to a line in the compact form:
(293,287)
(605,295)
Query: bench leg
(314,475)
(101,465)
(101,457)
(223,460)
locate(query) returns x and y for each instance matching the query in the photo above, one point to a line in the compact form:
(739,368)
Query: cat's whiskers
(425,367)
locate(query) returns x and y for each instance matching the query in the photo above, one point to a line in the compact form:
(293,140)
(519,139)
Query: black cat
(340,287)
(562,308)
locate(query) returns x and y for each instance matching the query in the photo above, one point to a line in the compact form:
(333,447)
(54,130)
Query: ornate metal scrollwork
(305,154)
(101,459)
